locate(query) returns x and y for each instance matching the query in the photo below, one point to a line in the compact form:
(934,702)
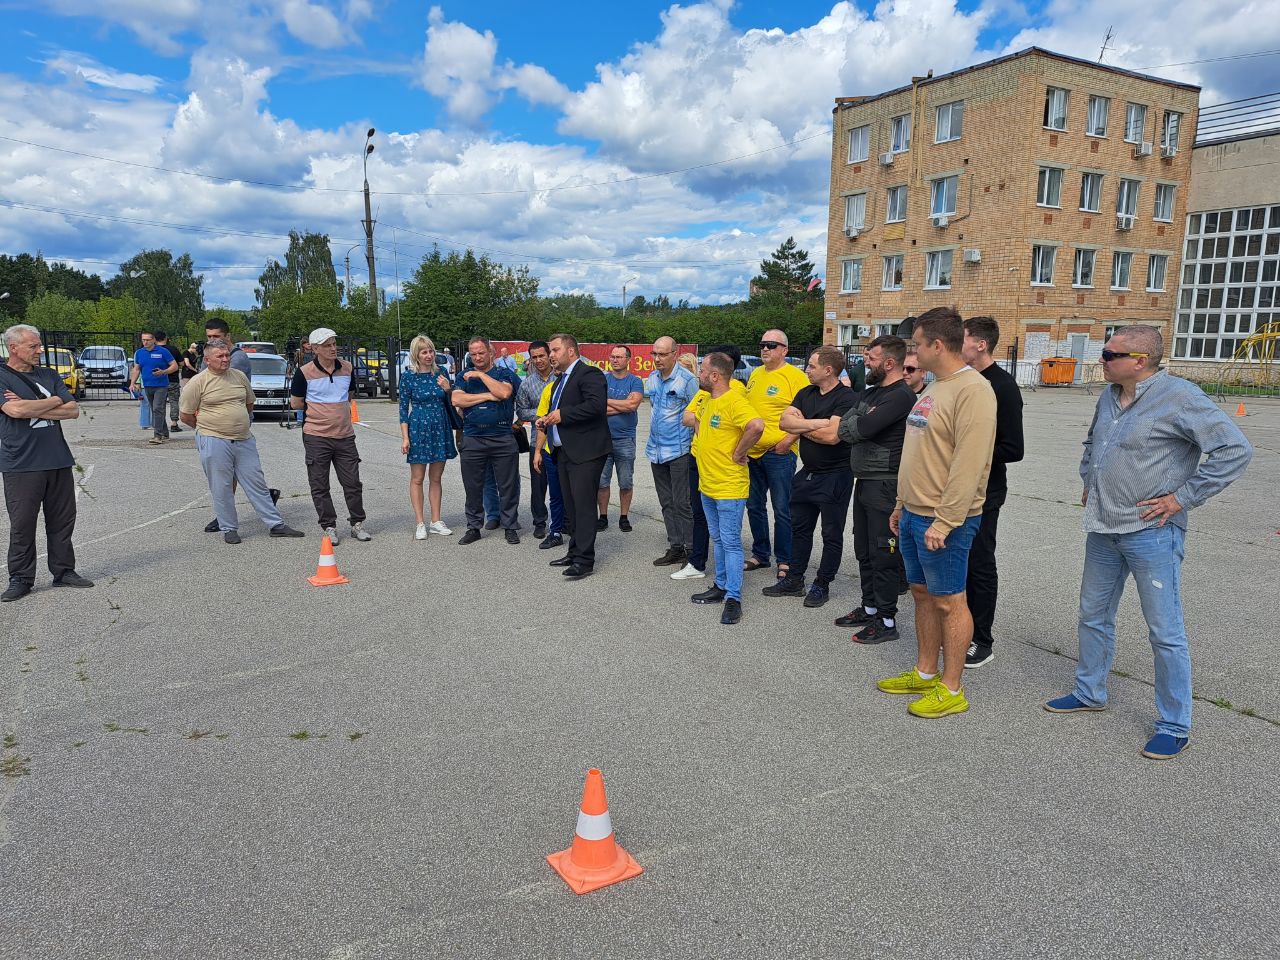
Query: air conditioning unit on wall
(1124,221)
(973,255)
(1144,149)
(941,222)
(864,330)
(851,233)
(1168,152)
(886,159)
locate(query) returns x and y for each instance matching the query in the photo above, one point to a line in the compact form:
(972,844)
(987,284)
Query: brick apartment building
(1045,191)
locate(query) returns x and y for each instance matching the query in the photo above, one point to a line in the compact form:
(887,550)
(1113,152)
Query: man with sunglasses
(771,389)
(912,372)
(1157,448)
(670,388)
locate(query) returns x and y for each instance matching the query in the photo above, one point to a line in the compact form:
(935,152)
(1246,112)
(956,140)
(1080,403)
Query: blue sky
(475,101)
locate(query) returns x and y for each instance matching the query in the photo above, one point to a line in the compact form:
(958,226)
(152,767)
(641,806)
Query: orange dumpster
(1057,371)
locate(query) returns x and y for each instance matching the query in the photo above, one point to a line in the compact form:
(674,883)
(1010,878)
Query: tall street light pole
(368,224)
(347,263)
(624,294)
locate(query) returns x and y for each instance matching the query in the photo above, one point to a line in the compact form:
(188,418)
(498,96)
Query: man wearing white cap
(323,388)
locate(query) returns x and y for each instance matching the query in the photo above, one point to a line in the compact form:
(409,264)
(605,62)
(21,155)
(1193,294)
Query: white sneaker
(421,532)
(357,533)
(332,534)
(437,526)
(688,572)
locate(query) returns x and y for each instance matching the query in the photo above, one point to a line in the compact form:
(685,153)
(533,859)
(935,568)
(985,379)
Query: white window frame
(1167,192)
(1039,253)
(1121,257)
(851,275)
(1090,177)
(935,272)
(889,205)
(855,218)
(900,133)
(888,273)
(1135,112)
(1046,180)
(1051,94)
(1165,140)
(1127,197)
(846,334)
(943,189)
(1097,105)
(949,117)
(1084,254)
(1162,261)
(865,143)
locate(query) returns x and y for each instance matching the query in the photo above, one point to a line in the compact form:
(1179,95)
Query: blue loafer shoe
(1165,746)
(1071,704)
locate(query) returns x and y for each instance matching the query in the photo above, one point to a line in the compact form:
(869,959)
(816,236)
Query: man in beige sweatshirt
(942,484)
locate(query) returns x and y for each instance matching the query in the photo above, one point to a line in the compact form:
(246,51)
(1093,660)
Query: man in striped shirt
(1157,448)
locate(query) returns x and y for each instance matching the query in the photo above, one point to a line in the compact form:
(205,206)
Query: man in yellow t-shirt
(771,389)
(725,429)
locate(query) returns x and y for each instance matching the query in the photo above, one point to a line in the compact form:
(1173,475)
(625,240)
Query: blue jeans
(724,524)
(771,475)
(551,479)
(1154,557)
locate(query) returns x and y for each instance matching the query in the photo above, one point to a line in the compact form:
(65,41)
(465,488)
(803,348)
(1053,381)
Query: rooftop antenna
(1106,42)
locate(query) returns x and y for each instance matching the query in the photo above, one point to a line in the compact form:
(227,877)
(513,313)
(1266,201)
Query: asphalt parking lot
(206,757)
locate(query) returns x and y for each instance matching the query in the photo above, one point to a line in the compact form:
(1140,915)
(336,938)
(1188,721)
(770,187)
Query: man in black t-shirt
(162,340)
(36,463)
(824,483)
(981,334)
(874,430)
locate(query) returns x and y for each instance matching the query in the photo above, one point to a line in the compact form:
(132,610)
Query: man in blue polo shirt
(485,396)
(152,364)
(670,388)
(626,390)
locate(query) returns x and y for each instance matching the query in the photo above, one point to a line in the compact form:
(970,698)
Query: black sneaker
(673,556)
(602,523)
(174,428)
(978,656)
(513,537)
(785,587)
(16,591)
(876,632)
(231,536)
(284,530)
(72,579)
(211,526)
(551,542)
(471,536)
(712,595)
(539,531)
(492,524)
(817,596)
(732,612)
(624,524)
(857,617)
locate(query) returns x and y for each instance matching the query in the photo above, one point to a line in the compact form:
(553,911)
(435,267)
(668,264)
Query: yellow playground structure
(1256,362)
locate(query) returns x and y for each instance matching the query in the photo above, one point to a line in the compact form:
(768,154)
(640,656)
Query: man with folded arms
(1157,448)
(670,388)
(942,484)
(218,403)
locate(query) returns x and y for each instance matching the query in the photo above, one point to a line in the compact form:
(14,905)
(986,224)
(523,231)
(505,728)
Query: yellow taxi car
(64,362)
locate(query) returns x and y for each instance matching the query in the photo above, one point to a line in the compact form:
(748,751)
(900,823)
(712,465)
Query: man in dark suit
(577,426)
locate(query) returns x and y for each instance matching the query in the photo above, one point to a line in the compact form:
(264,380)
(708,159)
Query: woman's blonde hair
(415,347)
(689,362)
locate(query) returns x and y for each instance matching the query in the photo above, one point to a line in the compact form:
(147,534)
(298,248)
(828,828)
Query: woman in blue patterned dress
(426,436)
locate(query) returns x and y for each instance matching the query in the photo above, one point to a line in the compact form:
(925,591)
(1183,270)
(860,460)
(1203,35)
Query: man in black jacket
(875,426)
(577,426)
(981,334)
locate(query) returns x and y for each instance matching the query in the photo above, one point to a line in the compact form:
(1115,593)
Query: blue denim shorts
(623,459)
(944,571)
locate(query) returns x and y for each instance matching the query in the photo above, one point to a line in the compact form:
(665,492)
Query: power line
(1236,56)
(399,193)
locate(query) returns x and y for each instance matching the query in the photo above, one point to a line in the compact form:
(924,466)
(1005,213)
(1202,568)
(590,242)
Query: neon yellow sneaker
(908,682)
(939,702)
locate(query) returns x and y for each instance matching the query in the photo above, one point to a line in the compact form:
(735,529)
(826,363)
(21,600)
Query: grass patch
(112,727)
(10,741)
(354,736)
(14,766)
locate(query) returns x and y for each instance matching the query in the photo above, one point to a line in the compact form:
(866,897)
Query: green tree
(72,283)
(168,290)
(451,297)
(785,277)
(123,315)
(56,311)
(295,314)
(307,263)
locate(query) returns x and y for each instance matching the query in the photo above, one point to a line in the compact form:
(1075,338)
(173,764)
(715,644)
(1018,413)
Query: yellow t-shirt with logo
(544,407)
(771,392)
(696,404)
(720,428)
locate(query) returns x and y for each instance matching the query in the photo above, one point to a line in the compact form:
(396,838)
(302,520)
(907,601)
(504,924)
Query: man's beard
(874,376)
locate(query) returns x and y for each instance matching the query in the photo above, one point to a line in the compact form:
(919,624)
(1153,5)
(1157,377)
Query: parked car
(105,366)
(369,368)
(746,365)
(64,361)
(258,346)
(269,377)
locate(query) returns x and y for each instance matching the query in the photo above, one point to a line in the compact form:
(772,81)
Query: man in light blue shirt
(1157,448)
(670,388)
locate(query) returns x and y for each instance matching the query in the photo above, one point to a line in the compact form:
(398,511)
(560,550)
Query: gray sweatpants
(224,460)
(672,482)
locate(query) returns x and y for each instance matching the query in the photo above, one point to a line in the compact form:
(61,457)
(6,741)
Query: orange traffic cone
(594,860)
(1240,410)
(355,411)
(327,569)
